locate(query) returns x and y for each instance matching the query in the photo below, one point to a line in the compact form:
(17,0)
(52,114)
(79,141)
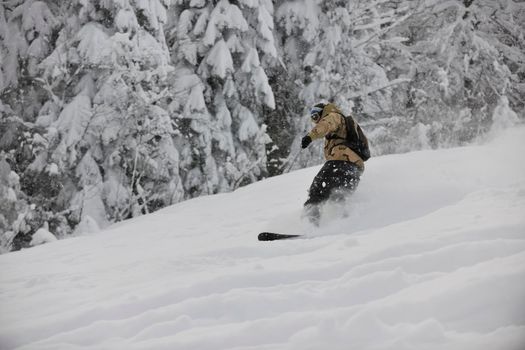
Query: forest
(112,109)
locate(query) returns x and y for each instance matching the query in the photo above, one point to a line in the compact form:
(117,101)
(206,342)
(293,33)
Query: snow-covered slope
(431,256)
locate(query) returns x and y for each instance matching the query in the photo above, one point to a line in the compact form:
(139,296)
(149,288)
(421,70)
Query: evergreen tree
(461,58)
(220,51)
(98,141)
(113,129)
(28,32)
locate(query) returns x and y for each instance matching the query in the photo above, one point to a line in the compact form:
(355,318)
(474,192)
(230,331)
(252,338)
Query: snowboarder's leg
(336,181)
(319,192)
(344,184)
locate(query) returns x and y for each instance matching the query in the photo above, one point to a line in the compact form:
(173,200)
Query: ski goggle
(315,113)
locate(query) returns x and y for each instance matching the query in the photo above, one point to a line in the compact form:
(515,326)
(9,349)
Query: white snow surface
(430,256)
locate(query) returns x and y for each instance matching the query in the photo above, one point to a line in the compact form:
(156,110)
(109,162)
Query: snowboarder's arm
(326,125)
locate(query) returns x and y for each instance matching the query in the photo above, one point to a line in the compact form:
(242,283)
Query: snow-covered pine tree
(220,51)
(27,32)
(83,89)
(462,58)
(113,130)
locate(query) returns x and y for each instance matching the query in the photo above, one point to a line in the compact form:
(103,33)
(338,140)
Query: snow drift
(431,256)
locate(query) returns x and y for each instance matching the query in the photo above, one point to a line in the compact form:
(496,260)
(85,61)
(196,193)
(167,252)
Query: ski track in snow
(430,256)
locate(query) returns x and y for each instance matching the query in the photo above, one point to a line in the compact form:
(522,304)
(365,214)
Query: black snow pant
(335,180)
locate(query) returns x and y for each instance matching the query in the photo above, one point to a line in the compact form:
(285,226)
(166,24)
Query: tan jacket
(332,122)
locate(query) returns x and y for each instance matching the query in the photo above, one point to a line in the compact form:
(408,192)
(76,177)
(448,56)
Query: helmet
(317,111)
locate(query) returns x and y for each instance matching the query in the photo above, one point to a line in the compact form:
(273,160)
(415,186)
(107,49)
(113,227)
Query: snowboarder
(341,173)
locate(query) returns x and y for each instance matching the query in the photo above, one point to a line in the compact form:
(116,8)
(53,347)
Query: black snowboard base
(271,236)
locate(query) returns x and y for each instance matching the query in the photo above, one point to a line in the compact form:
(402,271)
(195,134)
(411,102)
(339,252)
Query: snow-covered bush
(42,236)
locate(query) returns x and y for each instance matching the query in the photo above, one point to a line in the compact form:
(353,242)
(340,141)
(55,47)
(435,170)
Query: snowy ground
(432,256)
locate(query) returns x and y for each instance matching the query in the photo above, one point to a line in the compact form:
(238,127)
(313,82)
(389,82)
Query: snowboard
(272,236)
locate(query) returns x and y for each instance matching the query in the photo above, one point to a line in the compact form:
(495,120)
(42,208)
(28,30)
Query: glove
(306,141)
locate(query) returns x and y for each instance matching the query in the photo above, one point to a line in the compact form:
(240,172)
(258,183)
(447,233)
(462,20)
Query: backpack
(355,138)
